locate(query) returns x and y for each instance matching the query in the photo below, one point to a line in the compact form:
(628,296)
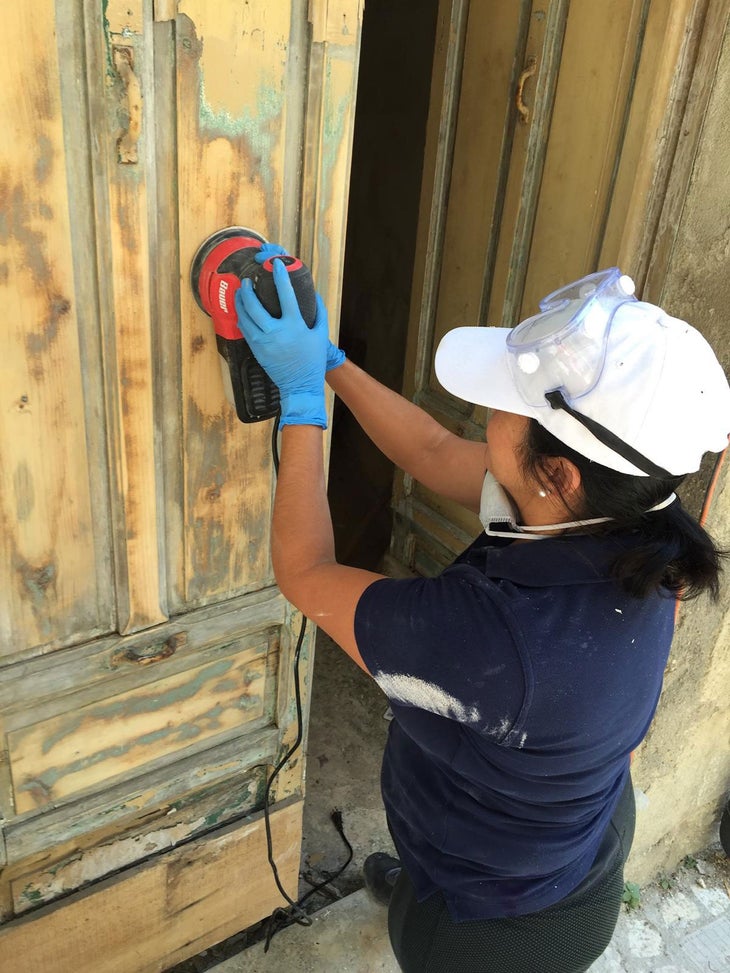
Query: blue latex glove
(293,355)
(335,355)
(269,250)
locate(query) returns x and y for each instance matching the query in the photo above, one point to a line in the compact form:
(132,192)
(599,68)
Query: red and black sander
(222,261)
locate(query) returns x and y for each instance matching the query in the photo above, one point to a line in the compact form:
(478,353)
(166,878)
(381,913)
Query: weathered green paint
(182,733)
(150,702)
(252,125)
(32,895)
(255,132)
(111,73)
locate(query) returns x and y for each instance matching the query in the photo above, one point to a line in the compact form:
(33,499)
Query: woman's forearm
(405,433)
(411,438)
(301,534)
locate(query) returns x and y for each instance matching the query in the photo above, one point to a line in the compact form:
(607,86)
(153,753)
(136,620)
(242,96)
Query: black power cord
(280,917)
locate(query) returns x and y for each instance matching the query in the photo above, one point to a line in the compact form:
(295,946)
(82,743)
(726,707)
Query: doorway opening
(347,727)
(390,131)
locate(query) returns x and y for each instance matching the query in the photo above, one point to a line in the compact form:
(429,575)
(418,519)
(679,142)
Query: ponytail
(673,553)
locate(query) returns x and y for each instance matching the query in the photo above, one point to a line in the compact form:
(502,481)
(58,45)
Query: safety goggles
(563,348)
(558,355)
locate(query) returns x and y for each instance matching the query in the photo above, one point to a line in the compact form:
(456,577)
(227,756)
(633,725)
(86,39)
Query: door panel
(233,126)
(262,141)
(485,130)
(55,564)
(532,100)
(133,706)
(84,746)
(652,132)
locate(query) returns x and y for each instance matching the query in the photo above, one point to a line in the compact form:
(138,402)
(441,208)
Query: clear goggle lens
(564,346)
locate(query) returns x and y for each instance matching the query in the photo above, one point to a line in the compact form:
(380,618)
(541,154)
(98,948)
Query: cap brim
(471,363)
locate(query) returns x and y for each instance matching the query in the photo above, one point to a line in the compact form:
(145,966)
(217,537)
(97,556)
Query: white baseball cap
(657,399)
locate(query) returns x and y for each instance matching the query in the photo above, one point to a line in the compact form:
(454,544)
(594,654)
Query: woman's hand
(335,355)
(293,355)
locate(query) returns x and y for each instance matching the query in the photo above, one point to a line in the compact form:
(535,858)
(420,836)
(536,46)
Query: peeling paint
(44,784)
(81,869)
(33,896)
(259,127)
(225,685)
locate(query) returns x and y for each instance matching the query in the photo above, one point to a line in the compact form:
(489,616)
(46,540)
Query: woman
(522,677)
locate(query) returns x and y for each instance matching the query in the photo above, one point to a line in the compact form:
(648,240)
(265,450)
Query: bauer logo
(222,288)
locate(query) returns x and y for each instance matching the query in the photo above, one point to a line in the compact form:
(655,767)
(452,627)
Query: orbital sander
(222,261)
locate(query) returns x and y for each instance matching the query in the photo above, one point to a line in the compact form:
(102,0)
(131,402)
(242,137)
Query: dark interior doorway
(390,131)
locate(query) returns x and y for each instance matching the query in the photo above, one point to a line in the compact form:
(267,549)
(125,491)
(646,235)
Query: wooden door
(146,684)
(551,127)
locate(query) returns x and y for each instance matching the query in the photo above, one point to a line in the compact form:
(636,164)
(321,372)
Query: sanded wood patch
(159,913)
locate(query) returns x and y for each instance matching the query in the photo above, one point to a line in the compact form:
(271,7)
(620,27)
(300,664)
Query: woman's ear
(565,475)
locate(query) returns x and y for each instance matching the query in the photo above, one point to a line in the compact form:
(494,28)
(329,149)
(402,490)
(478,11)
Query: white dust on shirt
(425,695)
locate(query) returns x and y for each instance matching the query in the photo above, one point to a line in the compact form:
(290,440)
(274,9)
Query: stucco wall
(683,767)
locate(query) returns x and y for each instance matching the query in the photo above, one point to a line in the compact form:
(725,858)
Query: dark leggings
(565,938)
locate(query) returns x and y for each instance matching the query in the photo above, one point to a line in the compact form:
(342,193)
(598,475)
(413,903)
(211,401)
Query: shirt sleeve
(444,645)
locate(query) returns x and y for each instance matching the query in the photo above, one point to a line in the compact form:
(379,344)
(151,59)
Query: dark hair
(674,552)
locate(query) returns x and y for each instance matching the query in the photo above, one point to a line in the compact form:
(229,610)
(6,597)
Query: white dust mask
(498,515)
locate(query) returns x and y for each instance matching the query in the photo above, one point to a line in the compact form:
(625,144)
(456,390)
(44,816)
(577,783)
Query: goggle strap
(605,436)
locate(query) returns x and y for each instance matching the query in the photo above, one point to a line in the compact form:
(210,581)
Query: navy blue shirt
(520,679)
